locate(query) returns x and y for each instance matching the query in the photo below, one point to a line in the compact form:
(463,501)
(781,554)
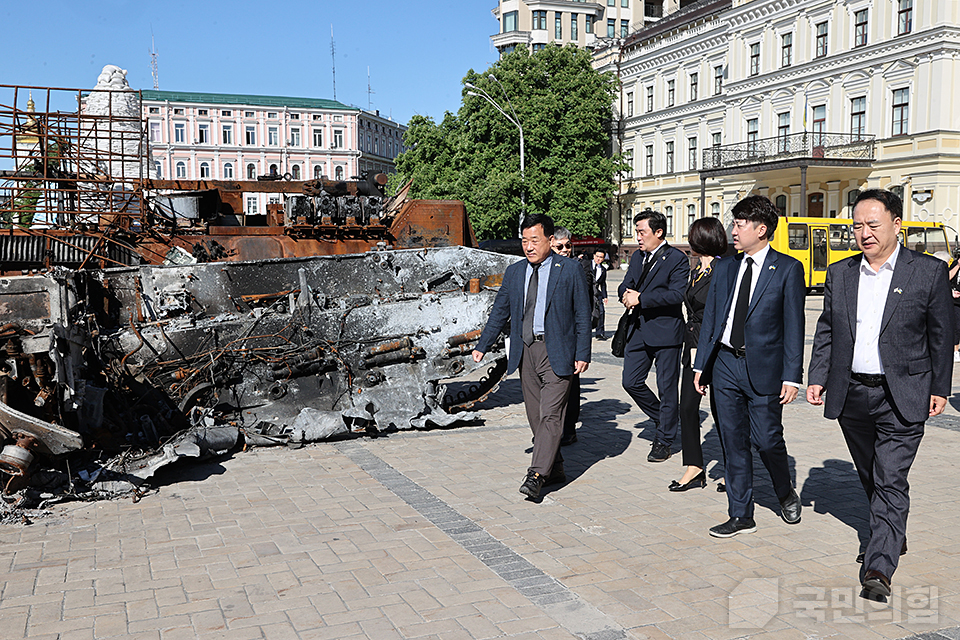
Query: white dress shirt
(872,294)
(758,259)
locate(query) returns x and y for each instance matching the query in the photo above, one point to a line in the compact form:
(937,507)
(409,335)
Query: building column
(703,197)
(803,190)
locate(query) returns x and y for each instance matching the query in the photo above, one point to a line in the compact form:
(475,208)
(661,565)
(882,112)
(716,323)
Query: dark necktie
(743,303)
(647,263)
(530,305)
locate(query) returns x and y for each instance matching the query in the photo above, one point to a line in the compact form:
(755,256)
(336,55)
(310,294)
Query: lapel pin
(898,290)
(773,267)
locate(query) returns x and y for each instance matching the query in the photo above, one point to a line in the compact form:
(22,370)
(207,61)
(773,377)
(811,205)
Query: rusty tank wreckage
(148,320)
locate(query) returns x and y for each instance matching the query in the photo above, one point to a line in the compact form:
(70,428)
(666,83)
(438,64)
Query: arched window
(715,209)
(251,171)
(317,172)
(339,173)
(158,168)
(204,170)
(181,169)
(295,171)
(781,204)
(273,169)
(228,170)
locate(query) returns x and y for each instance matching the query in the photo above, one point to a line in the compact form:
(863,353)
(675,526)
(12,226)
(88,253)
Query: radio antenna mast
(153,63)
(333,56)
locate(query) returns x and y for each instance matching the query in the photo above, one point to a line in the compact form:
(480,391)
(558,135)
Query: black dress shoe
(699,480)
(568,441)
(557,476)
(601,337)
(903,550)
(532,485)
(732,527)
(790,508)
(875,585)
(659,452)
(721,488)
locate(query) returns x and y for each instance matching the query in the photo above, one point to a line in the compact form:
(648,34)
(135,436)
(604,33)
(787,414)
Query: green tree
(565,108)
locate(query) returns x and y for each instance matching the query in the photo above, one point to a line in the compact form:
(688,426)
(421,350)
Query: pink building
(218,136)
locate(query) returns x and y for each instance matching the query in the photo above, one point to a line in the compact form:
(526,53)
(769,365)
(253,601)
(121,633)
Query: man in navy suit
(545,298)
(751,353)
(599,277)
(653,288)
(882,356)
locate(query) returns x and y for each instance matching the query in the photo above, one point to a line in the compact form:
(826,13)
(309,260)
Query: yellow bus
(819,242)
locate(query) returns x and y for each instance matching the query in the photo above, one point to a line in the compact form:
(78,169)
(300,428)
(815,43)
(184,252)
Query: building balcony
(515,38)
(783,152)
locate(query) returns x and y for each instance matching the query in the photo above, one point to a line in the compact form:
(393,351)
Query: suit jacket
(660,318)
(566,320)
(695,301)
(916,334)
(774,328)
(599,282)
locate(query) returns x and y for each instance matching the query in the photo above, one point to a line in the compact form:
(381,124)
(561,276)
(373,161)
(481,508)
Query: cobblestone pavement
(424,535)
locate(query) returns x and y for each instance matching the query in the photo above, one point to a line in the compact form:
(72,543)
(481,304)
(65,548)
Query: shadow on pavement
(189,470)
(835,489)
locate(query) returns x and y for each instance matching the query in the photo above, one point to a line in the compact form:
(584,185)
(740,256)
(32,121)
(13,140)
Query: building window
(611,28)
(781,204)
(226,113)
(178,112)
(624,28)
(317,172)
(272,115)
(248,114)
(337,139)
(858,117)
(611,3)
(295,172)
(338,118)
(821,39)
(671,92)
(786,50)
(717,80)
(203,134)
(691,216)
(251,171)
(339,173)
(715,209)
(226,134)
(628,160)
(539,47)
(649,99)
(588,24)
(901,112)
(158,168)
(860,28)
(540,20)
(648,160)
(203,112)
(694,83)
(294,116)
(155,132)
(716,139)
(669,158)
(510,21)
(625,4)
(558,25)
(668,214)
(574,24)
(181,169)
(251,135)
(204,170)
(819,124)
(753,126)
(228,170)
(317,117)
(755,59)
(318,138)
(783,133)
(251,205)
(905,17)
(180,132)
(630,104)
(154,109)
(294,137)
(273,136)
(692,153)
(274,170)
(851,200)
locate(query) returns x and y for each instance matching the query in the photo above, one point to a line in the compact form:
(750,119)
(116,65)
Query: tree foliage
(564,107)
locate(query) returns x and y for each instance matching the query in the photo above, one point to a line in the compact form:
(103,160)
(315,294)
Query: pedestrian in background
(599,280)
(563,245)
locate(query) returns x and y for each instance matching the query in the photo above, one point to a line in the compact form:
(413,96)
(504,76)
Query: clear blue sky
(418,51)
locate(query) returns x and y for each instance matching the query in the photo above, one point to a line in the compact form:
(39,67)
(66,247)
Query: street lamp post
(515,121)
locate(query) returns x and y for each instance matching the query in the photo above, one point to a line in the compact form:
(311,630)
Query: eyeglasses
(562,245)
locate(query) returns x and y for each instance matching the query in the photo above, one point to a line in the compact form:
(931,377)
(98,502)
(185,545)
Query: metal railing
(831,146)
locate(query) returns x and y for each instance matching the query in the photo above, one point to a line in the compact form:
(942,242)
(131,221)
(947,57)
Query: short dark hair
(707,237)
(888,199)
(534,219)
(758,209)
(655,219)
(596,251)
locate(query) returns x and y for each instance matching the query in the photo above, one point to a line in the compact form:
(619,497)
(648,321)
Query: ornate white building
(803,101)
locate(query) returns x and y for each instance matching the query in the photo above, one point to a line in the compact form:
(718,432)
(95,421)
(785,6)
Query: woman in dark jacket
(708,241)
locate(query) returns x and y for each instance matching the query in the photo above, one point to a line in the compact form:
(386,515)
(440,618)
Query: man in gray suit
(882,364)
(545,298)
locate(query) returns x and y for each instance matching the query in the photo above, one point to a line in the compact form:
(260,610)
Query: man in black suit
(546,301)
(882,354)
(599,281)
(751,353)
(653,287)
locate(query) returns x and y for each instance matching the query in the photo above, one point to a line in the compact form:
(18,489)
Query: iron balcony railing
(829,146)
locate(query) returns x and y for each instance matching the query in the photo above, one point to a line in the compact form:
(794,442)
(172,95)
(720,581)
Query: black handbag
(626,325)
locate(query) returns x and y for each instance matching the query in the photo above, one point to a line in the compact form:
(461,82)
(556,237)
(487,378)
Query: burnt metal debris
(150,320)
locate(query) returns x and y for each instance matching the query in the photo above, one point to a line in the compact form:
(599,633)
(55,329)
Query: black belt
(538,337)
(869,379)
(737,353)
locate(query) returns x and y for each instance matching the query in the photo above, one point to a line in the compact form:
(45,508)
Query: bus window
(840,237)
(819,248)
(936,240)
(916,239)
(797,236)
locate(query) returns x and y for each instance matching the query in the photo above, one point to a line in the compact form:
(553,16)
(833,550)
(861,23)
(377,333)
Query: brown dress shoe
(875,584)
